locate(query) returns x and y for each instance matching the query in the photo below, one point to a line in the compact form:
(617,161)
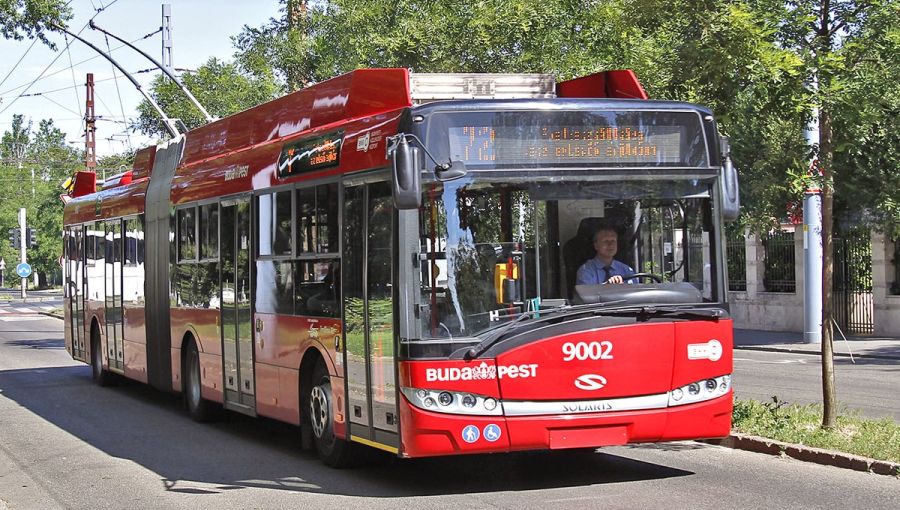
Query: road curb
(55,316)
(812,353)
(807,454)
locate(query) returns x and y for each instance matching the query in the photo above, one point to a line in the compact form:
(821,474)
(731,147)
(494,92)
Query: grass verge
(801,424)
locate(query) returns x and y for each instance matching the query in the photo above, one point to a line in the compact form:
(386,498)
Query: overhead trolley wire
(43,74)
(57,103)
(33,42)
(17,63)
(118,91)
(8,106)
(74,82)
(54,73)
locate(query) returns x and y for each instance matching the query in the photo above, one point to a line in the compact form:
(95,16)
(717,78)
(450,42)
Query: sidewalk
(781,341)
(13,295)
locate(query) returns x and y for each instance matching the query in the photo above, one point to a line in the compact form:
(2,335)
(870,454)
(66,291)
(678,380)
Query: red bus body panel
(645,359)
(618,84)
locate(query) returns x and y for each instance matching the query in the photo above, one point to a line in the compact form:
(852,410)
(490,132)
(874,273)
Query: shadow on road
(38,343)
(134,422)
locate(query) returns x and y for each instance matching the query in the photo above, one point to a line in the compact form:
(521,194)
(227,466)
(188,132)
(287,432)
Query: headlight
(699,391)
(452,402)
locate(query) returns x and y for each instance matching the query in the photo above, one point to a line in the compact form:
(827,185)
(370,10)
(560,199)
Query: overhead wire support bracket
(209,118)
(171,127)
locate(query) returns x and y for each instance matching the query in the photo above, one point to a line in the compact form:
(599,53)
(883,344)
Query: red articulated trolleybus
(392,259)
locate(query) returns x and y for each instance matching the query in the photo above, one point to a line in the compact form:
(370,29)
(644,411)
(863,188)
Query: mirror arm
(457,168)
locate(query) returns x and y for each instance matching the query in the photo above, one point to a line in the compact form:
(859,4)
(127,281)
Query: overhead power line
(64,69)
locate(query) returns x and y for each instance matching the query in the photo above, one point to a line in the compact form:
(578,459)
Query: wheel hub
(318,403)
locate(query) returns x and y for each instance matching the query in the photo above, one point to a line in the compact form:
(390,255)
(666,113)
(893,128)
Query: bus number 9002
(587,350)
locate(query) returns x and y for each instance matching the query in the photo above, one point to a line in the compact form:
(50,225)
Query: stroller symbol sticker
(470,434)
(492,432)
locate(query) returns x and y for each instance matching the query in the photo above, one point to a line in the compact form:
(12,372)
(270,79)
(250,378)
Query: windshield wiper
(495,335)
(642,313)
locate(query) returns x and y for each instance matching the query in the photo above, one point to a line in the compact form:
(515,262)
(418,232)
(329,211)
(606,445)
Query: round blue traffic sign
(23,270)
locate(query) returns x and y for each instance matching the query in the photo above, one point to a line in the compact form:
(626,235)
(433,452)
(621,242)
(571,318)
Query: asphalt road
(869,386)
(65,443)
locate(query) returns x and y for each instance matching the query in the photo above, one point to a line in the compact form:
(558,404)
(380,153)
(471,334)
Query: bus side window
(187,234)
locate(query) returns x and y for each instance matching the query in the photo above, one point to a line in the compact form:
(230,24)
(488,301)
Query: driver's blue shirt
(593,272)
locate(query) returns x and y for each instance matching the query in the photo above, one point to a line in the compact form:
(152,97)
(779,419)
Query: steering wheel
(655,277)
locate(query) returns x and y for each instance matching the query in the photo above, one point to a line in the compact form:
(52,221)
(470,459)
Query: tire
(199,409)
(100,376)
(332,451)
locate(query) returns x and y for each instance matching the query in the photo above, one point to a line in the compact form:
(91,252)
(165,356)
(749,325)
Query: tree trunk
(823,48)
(296,16)
(829,397)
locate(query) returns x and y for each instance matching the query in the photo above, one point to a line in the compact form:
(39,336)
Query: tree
(33,165)
(219,86)
(32,18)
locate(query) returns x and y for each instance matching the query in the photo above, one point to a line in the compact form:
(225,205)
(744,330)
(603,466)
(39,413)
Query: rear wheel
(199,409)
(101,377)
(333,451)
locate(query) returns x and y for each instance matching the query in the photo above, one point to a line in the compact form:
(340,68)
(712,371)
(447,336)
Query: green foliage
(44,152)
(751,61)
(800,424)
(32,18)
(219,86)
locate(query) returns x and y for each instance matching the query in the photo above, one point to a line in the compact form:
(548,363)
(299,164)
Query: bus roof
(249,142)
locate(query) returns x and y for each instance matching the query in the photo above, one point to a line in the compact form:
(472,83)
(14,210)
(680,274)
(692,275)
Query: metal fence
(852,298)
(736,258)
(779,268)
(895,261)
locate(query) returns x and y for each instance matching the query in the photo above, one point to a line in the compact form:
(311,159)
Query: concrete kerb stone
(812,353)
(808,454)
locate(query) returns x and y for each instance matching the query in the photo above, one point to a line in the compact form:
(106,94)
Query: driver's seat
(579,249)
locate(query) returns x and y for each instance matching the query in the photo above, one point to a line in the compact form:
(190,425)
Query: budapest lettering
(481,372)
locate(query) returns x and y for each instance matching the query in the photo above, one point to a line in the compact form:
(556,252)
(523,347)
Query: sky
(200,29)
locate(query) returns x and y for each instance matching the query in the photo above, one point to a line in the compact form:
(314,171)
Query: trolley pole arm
(170,125)
(209,118)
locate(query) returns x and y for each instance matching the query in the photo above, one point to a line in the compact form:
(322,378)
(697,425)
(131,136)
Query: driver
(604,268)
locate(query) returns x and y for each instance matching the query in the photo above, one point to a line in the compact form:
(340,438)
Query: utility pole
(812,243)
(90,126)
(22,246)
(167,37)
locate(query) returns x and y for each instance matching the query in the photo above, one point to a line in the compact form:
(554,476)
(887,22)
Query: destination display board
(549,139)
(310,154)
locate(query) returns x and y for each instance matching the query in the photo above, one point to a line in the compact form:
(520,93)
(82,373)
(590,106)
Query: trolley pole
(22,246)
(812,246)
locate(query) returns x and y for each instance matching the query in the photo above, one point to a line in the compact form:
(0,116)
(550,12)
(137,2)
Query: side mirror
(406,185)
(728,184)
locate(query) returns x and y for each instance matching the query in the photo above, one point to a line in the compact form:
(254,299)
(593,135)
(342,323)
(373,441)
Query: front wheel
(333,451)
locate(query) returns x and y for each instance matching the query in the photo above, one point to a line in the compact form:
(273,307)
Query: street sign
(23,270)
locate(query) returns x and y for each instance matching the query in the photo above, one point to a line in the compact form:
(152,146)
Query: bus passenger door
(368,313)
(113,316)
(75,280)
(237,334)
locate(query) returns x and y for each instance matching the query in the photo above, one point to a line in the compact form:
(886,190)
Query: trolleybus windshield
(495,250)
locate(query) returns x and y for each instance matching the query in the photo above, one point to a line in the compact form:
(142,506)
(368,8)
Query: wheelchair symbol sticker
(470,434)
(492,432)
